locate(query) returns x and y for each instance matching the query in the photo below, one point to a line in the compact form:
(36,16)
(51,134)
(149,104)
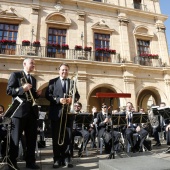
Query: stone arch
(5,99)
(145,94)
(105,88)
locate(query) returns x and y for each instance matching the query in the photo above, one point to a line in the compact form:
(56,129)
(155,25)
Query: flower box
(36,44)
(65,47)
(87,49)
(149,56)
(25,43)
(7,42)
(78,47)
(100,50)
(11,42)
(112,51)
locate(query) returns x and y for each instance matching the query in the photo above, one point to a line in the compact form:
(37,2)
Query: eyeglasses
(104,107)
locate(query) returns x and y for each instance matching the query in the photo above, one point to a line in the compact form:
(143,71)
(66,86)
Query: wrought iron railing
(52,52)
(148,61)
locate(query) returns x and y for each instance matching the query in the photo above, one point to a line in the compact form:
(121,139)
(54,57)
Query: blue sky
(165,6)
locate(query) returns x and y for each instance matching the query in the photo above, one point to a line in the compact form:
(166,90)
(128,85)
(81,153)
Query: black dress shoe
(157,144)
(32,166)
(56,164)
(68,165)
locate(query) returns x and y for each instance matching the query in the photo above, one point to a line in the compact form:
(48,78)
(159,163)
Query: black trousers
(28,124)
(61,153)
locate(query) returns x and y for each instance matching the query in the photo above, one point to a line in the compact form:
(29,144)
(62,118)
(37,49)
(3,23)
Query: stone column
(167,85)
(129,86)
(124,38)
(163,47)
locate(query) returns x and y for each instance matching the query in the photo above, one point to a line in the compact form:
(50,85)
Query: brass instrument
(28,93)
(68,108)
(153,118)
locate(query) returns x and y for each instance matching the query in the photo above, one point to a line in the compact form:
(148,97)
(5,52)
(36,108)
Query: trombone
(28,93)
(69,109)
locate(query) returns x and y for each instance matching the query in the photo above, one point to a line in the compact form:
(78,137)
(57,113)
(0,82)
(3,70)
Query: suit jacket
(53,93)
(14,89)
(101,125)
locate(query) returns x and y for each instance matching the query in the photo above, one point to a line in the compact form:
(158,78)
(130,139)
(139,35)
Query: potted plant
(25,43)
(65,46)
(3,42)
(87,48)
(36,44)
(78,47)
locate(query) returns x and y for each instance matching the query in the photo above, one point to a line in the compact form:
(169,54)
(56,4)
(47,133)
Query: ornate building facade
(115,46)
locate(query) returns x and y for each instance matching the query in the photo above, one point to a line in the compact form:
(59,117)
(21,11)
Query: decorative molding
(58,6)
(10,15)
(101,26)
(58,19)
(81,15)
(35,9)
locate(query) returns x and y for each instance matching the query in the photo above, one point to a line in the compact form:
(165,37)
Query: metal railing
(52,52)
(146,61)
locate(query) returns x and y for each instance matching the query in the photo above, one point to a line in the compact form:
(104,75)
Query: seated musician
(93,127)
(80,130)
(168,137)
(136,145)
(104,130)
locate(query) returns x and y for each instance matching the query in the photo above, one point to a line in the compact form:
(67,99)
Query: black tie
(28,78)
(64,85)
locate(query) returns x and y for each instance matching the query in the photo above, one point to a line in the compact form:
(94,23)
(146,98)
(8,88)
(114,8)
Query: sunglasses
(104,107)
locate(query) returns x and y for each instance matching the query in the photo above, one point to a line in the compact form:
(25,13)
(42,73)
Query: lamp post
(32,31)
(82,38)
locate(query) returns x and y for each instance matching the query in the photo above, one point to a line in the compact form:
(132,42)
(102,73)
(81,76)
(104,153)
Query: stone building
(115,46)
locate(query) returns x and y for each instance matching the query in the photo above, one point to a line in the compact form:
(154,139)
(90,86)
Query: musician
(158,129)
(104,130)
(93,127)
(134,128)
(57,93)
(3,132)
(25,118)
(80,129)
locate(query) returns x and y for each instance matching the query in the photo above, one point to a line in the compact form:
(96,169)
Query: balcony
(147,61)
(51,52)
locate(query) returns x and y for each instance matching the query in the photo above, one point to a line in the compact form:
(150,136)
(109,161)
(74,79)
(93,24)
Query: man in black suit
(20,84)
(136,145)
(80,129)
(104,129)
(58,94)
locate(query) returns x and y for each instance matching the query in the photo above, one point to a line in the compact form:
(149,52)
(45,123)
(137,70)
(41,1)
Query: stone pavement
(90,162)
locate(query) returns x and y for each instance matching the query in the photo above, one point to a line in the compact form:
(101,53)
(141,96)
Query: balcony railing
(146,61)
(51,52)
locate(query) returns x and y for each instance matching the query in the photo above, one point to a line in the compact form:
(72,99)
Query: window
(98,0)
(56,36)
(143,46)
(137,4)
(8,31)
(102,41)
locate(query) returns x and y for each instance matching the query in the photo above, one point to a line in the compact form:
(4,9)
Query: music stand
(164,112)
(84,119)
(117,119)
(7,120)
(155,110)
